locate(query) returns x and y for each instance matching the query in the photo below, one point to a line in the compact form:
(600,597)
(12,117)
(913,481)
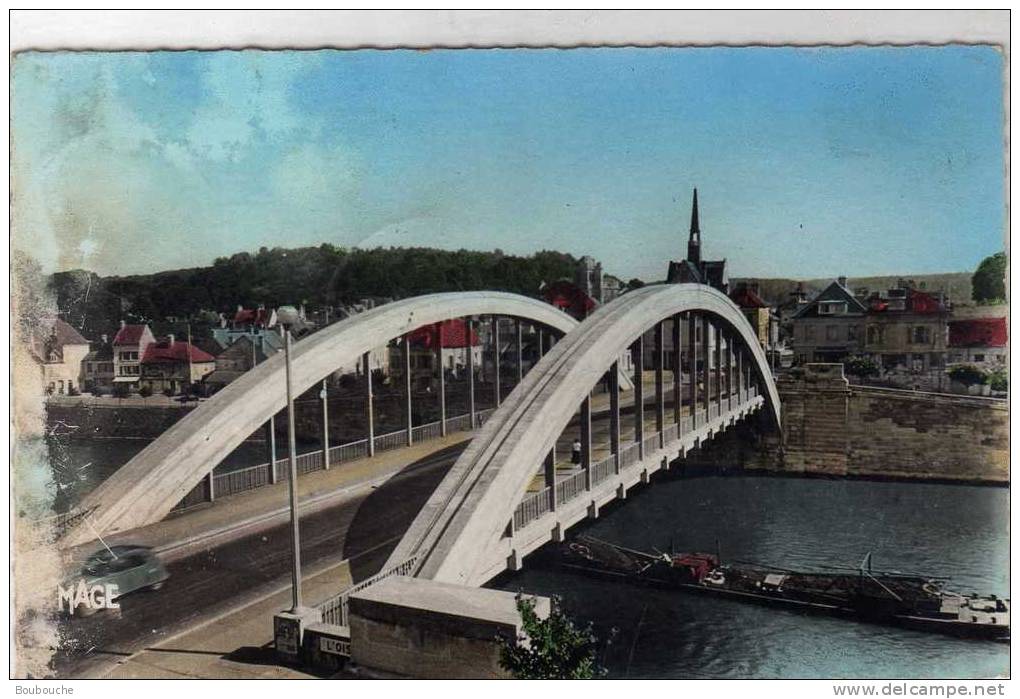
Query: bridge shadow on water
(384,516)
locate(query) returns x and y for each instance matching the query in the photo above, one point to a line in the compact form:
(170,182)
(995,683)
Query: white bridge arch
(466,532)
(148,486)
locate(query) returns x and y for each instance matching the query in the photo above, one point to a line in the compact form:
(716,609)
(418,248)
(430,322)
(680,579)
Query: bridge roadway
(361,529)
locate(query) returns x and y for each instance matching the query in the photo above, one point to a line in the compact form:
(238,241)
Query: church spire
(694,242)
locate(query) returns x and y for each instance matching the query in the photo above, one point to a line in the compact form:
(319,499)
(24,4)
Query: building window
(809,332)
(830,308)
(831,333)
(921,335)
(979,357)
(876,334)
(851,332)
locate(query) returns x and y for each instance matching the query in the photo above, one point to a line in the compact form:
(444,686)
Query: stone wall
(833,428)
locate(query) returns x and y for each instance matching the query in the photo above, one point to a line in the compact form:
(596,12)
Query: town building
(129,345)
(829,328)
(980,341)
(596,284)
(693,269)
(97,367)
(759,314)
(60,350)
(455,342)
(233,362)
(258,325)
(170,365)
(906,330)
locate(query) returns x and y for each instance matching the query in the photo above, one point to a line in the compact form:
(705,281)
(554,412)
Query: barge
(913,601)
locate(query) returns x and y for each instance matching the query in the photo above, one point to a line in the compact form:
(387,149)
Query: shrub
(121,390)
(145,391)
(551,648)
(168,392)
(968,375)
(999,381)
(861,366)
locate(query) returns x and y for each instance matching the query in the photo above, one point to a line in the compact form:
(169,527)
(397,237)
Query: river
(960,532)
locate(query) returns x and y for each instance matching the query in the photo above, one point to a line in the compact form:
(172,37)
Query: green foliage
(999,380)
(551,648)
(861,366)
(316,276)
(634,283)
(145,391)
(121,390)
(968,375)
(989,281)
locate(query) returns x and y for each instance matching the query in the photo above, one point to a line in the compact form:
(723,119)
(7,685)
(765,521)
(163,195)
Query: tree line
(315,276)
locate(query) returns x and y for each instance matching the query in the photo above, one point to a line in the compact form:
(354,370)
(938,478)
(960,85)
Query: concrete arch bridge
(173,466)
(508,493)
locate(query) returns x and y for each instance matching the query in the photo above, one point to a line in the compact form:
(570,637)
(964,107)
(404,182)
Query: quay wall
(832,428)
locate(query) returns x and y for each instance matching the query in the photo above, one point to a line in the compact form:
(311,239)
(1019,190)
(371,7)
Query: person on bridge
(575,451)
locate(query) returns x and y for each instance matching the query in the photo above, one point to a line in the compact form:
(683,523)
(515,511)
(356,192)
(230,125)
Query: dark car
(130,568)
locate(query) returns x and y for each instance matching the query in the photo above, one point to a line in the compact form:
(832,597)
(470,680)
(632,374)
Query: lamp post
(287,317)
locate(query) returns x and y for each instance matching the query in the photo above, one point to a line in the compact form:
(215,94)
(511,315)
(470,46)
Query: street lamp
(287,317)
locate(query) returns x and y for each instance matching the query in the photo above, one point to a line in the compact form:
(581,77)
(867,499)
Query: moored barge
(913,601)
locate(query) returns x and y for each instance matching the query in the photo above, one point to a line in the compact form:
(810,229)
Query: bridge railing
(534,505)
(252,477)
(601,470)
(335,609)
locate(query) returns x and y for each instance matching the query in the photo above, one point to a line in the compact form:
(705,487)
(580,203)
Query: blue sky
(808,162)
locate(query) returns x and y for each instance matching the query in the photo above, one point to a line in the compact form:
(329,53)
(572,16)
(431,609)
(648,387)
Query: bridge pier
(442,377)
(706,365)
(678,396)
(614,414)
(471,372)
(550,477)
(637,350)
(324,395)
(660,396)
(405,353)
(692,365)
(495,357)
(717,333)
(369,417)
(518,346)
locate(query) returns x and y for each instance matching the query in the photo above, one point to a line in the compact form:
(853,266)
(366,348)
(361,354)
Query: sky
(808,162)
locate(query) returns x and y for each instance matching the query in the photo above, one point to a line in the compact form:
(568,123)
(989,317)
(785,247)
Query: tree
(999,381)
(989,281)
(634,283)
(551,648)
(861,367)
(145,391)
(968,375)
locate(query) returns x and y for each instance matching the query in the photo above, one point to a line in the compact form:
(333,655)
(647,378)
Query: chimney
(104,337)
(170,339)
(240,308)
(842,281)
(122,323)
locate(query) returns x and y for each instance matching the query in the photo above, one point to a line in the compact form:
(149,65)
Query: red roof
(569,297)
(164,352)
(452,332)
(920,302)
(979,332)
(129,335)
(745,297)
(254,316)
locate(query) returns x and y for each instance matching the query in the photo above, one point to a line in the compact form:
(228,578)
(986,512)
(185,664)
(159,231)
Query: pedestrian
(575,451)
